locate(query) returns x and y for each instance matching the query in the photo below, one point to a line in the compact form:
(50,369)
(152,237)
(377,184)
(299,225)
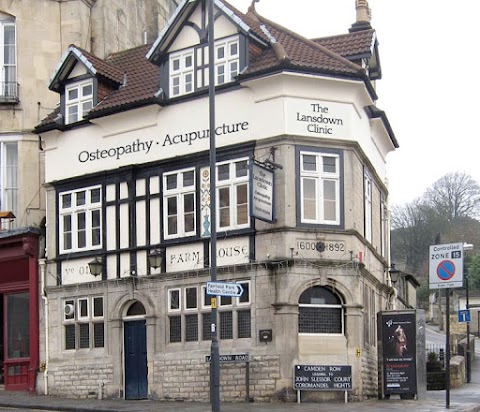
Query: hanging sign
(261,193)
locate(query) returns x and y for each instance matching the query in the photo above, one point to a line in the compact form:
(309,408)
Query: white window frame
(83,102)
(74,211)
(319,177)
(8,68)
(368,191)
(79,309)
(185,297)
(179,193)
(9,177)
(182,78)
(233,183)
(174,310)
(228,64)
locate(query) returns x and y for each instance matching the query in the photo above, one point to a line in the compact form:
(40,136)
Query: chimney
(364,16)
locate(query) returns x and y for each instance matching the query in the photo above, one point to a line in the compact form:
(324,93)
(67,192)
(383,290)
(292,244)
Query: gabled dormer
(82,80)
(182,48)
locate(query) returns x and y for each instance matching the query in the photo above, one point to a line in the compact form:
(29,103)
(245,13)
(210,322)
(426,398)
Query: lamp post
(467,246)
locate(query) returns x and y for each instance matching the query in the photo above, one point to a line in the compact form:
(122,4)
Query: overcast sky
(431,80)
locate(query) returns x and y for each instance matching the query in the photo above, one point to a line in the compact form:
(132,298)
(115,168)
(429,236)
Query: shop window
(320,188)
(80,225)
(191,321)
(320,312)
(179,204)
(84,323)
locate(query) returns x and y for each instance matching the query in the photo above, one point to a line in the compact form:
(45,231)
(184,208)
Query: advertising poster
(399,357)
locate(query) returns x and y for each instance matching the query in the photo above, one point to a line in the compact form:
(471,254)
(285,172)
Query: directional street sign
(224,289)
(446,266)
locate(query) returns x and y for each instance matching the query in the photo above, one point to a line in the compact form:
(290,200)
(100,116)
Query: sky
(430,83)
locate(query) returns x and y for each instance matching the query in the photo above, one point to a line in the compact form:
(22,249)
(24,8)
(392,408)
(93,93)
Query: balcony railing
(8,92)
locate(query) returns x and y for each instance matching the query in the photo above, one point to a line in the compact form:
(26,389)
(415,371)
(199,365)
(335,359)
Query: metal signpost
(446,271)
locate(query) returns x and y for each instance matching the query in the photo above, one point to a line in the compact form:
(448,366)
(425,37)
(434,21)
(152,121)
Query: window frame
(319,176)
(227,60)
(179,193)
(9,177)
(9,69)
(90,210)
(79,324)
(368,204)
(320,306)
(181,73)
(80,101)
(233,183)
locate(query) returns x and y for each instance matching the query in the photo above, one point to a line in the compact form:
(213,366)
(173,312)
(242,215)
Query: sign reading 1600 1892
(446,266)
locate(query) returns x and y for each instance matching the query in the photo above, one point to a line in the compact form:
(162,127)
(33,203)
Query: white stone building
(127,169)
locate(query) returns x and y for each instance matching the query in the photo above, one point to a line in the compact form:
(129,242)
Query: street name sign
(237,357)
(446,266)
(224,289)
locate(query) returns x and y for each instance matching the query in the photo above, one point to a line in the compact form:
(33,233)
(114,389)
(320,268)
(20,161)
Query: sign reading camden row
(323,377)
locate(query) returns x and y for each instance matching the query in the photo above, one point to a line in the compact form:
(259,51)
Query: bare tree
(454,195)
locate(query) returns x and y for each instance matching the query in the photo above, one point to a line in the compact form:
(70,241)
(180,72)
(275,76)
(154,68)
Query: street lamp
(155,259)
(394,274)
(95,266)
(467,246)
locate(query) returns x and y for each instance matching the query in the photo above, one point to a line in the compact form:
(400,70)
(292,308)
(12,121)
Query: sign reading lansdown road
(238,357)
(323,377)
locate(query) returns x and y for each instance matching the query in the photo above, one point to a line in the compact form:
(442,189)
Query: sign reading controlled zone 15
(446,266)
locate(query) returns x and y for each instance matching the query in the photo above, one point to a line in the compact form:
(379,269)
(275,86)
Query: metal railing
(8,92)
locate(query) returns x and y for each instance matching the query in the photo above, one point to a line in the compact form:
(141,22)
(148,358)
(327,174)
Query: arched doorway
(135,344)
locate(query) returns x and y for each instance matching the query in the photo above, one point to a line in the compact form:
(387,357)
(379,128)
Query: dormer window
(227,61)
(78,100)
(181,78)
(189,67)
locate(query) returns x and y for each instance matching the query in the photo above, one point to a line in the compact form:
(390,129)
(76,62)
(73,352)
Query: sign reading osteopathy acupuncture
(261,193)
(446,266)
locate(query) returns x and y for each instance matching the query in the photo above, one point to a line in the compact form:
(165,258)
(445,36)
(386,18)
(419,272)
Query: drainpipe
(43,277)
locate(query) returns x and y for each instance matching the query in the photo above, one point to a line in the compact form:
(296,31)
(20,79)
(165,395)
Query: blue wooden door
(136,381)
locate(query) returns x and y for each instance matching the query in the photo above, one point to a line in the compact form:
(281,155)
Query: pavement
(464,399)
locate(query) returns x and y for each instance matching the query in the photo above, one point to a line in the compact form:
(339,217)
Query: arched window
(320,312)
(136,309)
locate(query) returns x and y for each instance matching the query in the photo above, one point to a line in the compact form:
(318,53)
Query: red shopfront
(19,322)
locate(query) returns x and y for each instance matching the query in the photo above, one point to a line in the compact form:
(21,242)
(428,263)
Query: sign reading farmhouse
(224,289)
(239,357)
(323,377)
(261,193)
(446,266)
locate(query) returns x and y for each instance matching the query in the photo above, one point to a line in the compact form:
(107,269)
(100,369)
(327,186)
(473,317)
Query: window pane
(241,169)
(244,324)
(66,201)
(98,307)
(309,199)
(233,49)
(73,94)
(176,64)
(191,328)
(188,61)
(18,325)
(69,337)
(329,200)
(320,320)
(225,300)
(98,335)
(174,299)
(96,227)
(329,164)
(245,298)
(224,198)
(206,326)
(188,178)
(191,298)
(83,307)
(223,172)
(309,163)
(220,52)
(87,90)
(242,204)
(80,198)
(319,295)
(175,329)
(226,325)
(95,195)
(171,182)
(84,335)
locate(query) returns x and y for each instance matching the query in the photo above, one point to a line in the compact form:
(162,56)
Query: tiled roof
(139,79)
(142,79)
(357,43)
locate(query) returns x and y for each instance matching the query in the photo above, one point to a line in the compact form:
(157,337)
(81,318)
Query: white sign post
(446,266)
(224,289)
